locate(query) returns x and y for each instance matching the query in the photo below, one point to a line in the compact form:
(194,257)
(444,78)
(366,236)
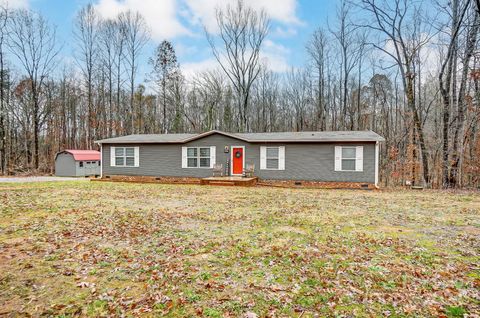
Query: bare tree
(446,80)
(350,50)
(398,22)
(119,43)
(4,16)
(210,90)
(33,41)
(265,100)
(86,35)
(297,95)
(317,48)
(458,140)
(109,33)
(62,106)
(242,32)
(136,36)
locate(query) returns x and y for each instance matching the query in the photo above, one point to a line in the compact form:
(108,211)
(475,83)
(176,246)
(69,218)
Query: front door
(237,160)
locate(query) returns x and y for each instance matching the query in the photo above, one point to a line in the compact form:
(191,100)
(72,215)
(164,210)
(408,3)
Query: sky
(181,22)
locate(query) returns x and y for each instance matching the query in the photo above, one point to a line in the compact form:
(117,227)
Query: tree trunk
(3,135)
(457,151)
(418,125)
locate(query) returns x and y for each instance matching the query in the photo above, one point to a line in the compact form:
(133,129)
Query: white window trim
(231,160)
(136,157)
(281,158)
(358,158)
(185,157)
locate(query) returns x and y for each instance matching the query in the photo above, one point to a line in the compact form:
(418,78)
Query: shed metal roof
(305,136)
(82,155)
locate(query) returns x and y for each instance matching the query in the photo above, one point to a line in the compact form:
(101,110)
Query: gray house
(77,163)
(335,156)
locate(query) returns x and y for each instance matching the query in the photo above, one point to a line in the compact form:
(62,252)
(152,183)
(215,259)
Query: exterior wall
(87,170)
(303,161)
(65,165)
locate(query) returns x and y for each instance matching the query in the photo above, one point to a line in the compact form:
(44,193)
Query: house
(333,156)
(77,163)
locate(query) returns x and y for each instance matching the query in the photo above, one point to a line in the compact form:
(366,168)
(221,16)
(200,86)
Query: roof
(304,136)
(159,138)
(313,136)
(82,155)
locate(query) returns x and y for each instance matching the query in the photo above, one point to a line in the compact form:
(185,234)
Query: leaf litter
(113,249)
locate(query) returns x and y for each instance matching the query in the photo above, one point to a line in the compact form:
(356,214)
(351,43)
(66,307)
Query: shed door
(90,168)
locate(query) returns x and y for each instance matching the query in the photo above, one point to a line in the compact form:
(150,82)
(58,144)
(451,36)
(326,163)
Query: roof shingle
(304,136)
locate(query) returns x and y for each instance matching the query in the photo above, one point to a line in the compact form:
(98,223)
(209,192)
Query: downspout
(101,161)
(377,157)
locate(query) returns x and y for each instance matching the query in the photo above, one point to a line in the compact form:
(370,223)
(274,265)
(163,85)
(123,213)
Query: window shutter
(213,155)
(338,158)
(281,158)
(112,156)
(263,157)
(359,159)
(184,157)
(137,157)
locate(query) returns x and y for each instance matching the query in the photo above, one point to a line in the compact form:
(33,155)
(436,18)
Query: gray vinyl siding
(303,161)
(65,165)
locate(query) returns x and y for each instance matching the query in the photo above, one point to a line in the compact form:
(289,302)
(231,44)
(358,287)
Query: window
(348,158)
(125,156)
(349,155)
(204,157)
(272,158)
(198,157)
(80,164)
(99,163)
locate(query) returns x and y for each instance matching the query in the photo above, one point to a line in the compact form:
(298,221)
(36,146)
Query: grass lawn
(112,249)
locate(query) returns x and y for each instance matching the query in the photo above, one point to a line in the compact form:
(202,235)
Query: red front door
(237,154)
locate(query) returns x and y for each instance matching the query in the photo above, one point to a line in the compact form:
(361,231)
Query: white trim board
(231,160)
(280,158)
(101,161)
(358,158)
(377,159)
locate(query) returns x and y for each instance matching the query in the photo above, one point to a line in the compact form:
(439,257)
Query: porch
(230,181)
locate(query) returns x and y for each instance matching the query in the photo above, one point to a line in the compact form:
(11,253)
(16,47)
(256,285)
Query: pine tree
(165,73)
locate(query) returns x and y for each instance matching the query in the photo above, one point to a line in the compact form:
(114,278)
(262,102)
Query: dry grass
(112,249)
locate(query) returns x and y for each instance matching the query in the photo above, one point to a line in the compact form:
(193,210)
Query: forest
(408,70)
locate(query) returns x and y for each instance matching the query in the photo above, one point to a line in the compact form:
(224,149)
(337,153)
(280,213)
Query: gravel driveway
(40,179)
